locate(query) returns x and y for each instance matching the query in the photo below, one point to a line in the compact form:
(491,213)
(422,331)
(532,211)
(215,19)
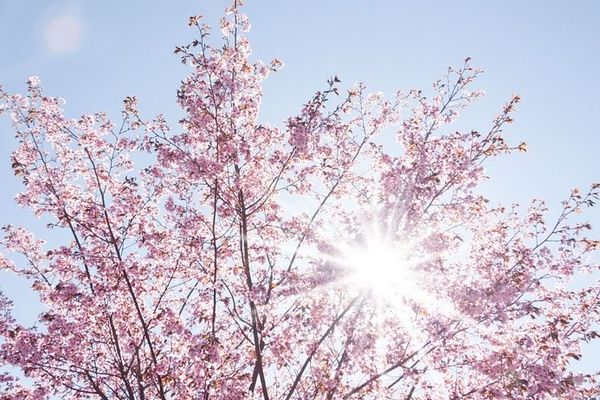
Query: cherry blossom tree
(346,254)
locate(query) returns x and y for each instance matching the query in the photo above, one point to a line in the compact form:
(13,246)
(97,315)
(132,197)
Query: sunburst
(378,263)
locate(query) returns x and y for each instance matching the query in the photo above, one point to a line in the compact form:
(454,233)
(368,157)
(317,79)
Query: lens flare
(378,263)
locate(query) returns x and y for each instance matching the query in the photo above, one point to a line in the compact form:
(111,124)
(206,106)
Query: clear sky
(94,54)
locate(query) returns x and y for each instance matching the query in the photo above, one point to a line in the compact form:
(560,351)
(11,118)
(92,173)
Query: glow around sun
(379,264)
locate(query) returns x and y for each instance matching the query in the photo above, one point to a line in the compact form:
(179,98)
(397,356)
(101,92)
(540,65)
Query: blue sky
(94,54)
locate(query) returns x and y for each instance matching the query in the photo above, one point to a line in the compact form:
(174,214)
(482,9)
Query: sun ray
(389,267)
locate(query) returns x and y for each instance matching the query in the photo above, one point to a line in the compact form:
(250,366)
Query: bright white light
(392,269)
(380,268)
(63,34)
(380,265)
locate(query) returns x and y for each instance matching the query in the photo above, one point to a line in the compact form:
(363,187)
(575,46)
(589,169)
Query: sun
(379,264)
(393,270)
(378,267)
